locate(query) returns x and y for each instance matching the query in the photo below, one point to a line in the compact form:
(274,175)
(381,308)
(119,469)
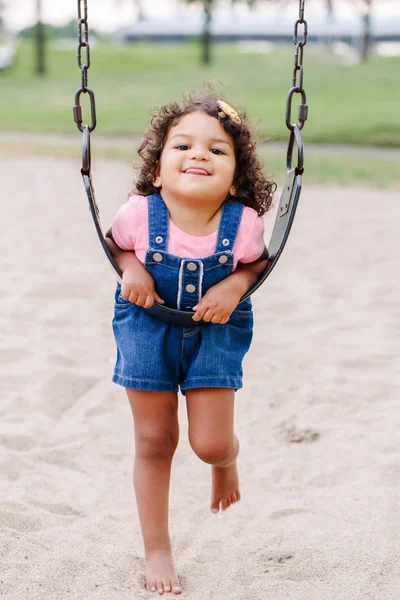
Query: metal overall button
(159,239)
(225,242)
(190,288)
(191,266)
(157,257)
(223,259)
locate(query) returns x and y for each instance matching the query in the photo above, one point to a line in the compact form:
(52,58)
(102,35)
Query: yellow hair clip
(226,110)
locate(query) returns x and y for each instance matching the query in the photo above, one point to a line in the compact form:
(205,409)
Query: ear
(157,179)
(232,190)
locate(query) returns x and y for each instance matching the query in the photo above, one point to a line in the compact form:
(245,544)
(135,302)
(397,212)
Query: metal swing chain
(297,88)
(83,31)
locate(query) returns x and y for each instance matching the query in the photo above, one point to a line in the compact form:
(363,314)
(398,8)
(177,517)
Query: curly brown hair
(252,187)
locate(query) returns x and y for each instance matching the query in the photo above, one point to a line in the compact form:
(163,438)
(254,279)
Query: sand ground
(318,418)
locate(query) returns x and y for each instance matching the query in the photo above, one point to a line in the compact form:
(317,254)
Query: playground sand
(318,418)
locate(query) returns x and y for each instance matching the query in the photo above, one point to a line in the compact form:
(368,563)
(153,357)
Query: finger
(215,319)
(141,299)
(132,297)
(158,298)
(208,315)
(198,315)
(222,317)
(125,292)
(199,307)
(149,301)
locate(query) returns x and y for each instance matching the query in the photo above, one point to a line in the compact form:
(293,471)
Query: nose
(198,153)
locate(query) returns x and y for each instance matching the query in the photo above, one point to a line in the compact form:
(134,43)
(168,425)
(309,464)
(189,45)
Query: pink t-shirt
(130,231)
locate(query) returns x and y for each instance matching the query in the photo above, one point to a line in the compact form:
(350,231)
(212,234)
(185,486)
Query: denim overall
(154,355)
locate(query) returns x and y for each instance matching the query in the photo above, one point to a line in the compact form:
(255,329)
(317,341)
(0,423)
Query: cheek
(166,168)
(230,172)
(169,162)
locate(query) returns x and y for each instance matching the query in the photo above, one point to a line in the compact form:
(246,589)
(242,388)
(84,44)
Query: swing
(294,174)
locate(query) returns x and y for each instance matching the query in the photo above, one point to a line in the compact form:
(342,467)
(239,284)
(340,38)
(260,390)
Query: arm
(137,283)
(221,299)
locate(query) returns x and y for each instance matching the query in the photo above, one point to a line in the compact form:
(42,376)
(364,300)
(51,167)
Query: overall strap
(158,222)
(229,225)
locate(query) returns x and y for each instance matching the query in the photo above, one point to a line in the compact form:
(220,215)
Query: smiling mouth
(196,171)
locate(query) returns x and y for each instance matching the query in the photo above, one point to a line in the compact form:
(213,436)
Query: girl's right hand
(138,287)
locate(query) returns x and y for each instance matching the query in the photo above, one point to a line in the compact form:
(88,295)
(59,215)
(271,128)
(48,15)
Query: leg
(211,435)
(156,438)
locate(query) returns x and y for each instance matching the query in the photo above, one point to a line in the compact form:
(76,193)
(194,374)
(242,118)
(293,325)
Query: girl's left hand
(216,306)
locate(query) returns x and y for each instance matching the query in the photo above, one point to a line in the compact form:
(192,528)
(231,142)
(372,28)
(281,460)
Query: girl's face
(198,160)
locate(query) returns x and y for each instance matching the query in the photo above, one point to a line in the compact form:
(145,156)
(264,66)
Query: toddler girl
(190,238)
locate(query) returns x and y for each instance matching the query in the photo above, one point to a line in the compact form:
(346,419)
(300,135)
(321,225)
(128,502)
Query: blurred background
(144,53)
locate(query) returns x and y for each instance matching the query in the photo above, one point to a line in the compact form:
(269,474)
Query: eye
(182,147)
(217,151)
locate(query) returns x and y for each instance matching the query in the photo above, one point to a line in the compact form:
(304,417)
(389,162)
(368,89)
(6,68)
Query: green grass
(355,104)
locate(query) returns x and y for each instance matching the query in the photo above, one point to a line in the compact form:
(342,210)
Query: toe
(160,587)
(153,586)
(176,588)
(233,498)
(167,586)
(224,504)
(215,507)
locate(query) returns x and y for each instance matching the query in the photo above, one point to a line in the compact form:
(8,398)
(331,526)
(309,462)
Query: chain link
(297,85)
(83,31)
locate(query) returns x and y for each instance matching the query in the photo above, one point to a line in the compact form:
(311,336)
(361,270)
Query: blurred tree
(206,37)
(139,7)
(366,13)
(40,41)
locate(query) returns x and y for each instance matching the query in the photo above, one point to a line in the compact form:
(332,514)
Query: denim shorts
(153,355)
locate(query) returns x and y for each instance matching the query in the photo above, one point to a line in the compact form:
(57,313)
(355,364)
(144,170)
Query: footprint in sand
(22,443)
(290,432)
(18,522)
(276,558)
(285,512)
(58,508)
(62,390)
(279,558)
(66,458)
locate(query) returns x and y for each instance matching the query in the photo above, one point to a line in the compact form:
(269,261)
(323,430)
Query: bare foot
(160,572)
(225,483)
